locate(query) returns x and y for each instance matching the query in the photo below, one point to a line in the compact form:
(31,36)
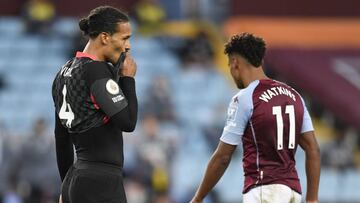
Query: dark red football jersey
(268,117)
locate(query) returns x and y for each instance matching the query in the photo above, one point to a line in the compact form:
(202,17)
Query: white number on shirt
(289,109)
(65,111)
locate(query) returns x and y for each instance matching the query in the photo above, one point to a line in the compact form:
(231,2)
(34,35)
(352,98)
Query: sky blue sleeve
(238,115)
(307,122)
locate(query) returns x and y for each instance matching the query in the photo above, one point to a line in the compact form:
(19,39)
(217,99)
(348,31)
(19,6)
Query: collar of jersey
(80,54)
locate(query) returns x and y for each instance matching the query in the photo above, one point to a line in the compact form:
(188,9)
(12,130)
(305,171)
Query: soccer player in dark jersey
(95,100)
(271,120)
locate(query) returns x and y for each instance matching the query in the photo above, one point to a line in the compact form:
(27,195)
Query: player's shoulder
(280,88)
(289,87)
(60,72)
(98,69)
(248,91)
(96,66)
(65,66)
(244,96)
(279,83)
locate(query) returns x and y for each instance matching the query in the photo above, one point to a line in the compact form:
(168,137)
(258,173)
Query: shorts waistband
(81,164)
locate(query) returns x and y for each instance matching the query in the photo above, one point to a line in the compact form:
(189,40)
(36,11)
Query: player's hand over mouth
(129,67)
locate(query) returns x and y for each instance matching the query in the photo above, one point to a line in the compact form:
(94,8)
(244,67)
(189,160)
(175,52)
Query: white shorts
(274,193)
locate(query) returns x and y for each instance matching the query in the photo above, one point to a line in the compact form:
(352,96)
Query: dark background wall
(297,7)
(239,7)
(65,7)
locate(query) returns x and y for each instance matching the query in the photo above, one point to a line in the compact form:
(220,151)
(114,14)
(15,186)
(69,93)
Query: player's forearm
(312,174)
(64,156)
(215,170)
(128,86)
(129,118)
(64,148)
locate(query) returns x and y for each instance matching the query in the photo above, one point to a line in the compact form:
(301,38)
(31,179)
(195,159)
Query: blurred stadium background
(183,89)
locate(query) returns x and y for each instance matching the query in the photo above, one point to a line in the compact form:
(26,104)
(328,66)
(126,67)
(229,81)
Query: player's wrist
(127,85)
(126,79)
(127,76)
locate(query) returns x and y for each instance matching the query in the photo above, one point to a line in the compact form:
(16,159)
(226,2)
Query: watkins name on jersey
(268,94)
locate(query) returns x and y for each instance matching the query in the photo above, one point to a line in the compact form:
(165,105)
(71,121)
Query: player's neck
(93,50)
(254,74)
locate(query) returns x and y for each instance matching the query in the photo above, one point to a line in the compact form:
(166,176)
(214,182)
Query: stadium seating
(29,64)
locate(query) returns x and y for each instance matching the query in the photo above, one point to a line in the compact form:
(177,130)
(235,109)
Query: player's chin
(114,58)
(113,62)
(239,85)
(117,55)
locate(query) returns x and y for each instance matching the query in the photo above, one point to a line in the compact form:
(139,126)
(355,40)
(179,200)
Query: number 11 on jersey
(65,111)
(289,109)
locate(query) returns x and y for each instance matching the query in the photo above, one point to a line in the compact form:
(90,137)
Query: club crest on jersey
(112,87)
(235,100)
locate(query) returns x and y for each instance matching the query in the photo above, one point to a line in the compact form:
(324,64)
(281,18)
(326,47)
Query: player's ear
(104,38)
(236,62)
(231,61)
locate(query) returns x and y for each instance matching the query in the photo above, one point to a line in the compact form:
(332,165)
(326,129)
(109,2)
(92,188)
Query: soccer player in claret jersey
(95,100)
(270,119)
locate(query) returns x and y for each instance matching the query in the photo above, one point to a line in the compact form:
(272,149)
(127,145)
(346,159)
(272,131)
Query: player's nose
(127,46)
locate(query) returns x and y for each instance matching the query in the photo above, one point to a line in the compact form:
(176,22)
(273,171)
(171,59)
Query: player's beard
(239,84)
(114,56)
(116,50)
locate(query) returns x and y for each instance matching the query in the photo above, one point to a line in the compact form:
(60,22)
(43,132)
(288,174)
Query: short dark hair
(102,19)
(250,47)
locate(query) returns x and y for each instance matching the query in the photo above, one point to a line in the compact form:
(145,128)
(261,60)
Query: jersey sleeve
(126,119)
(105,91)
(307,122)
(64,148)
(238,115)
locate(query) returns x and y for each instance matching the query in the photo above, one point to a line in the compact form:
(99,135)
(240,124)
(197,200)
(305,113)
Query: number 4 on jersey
(65,111)
(289,109)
